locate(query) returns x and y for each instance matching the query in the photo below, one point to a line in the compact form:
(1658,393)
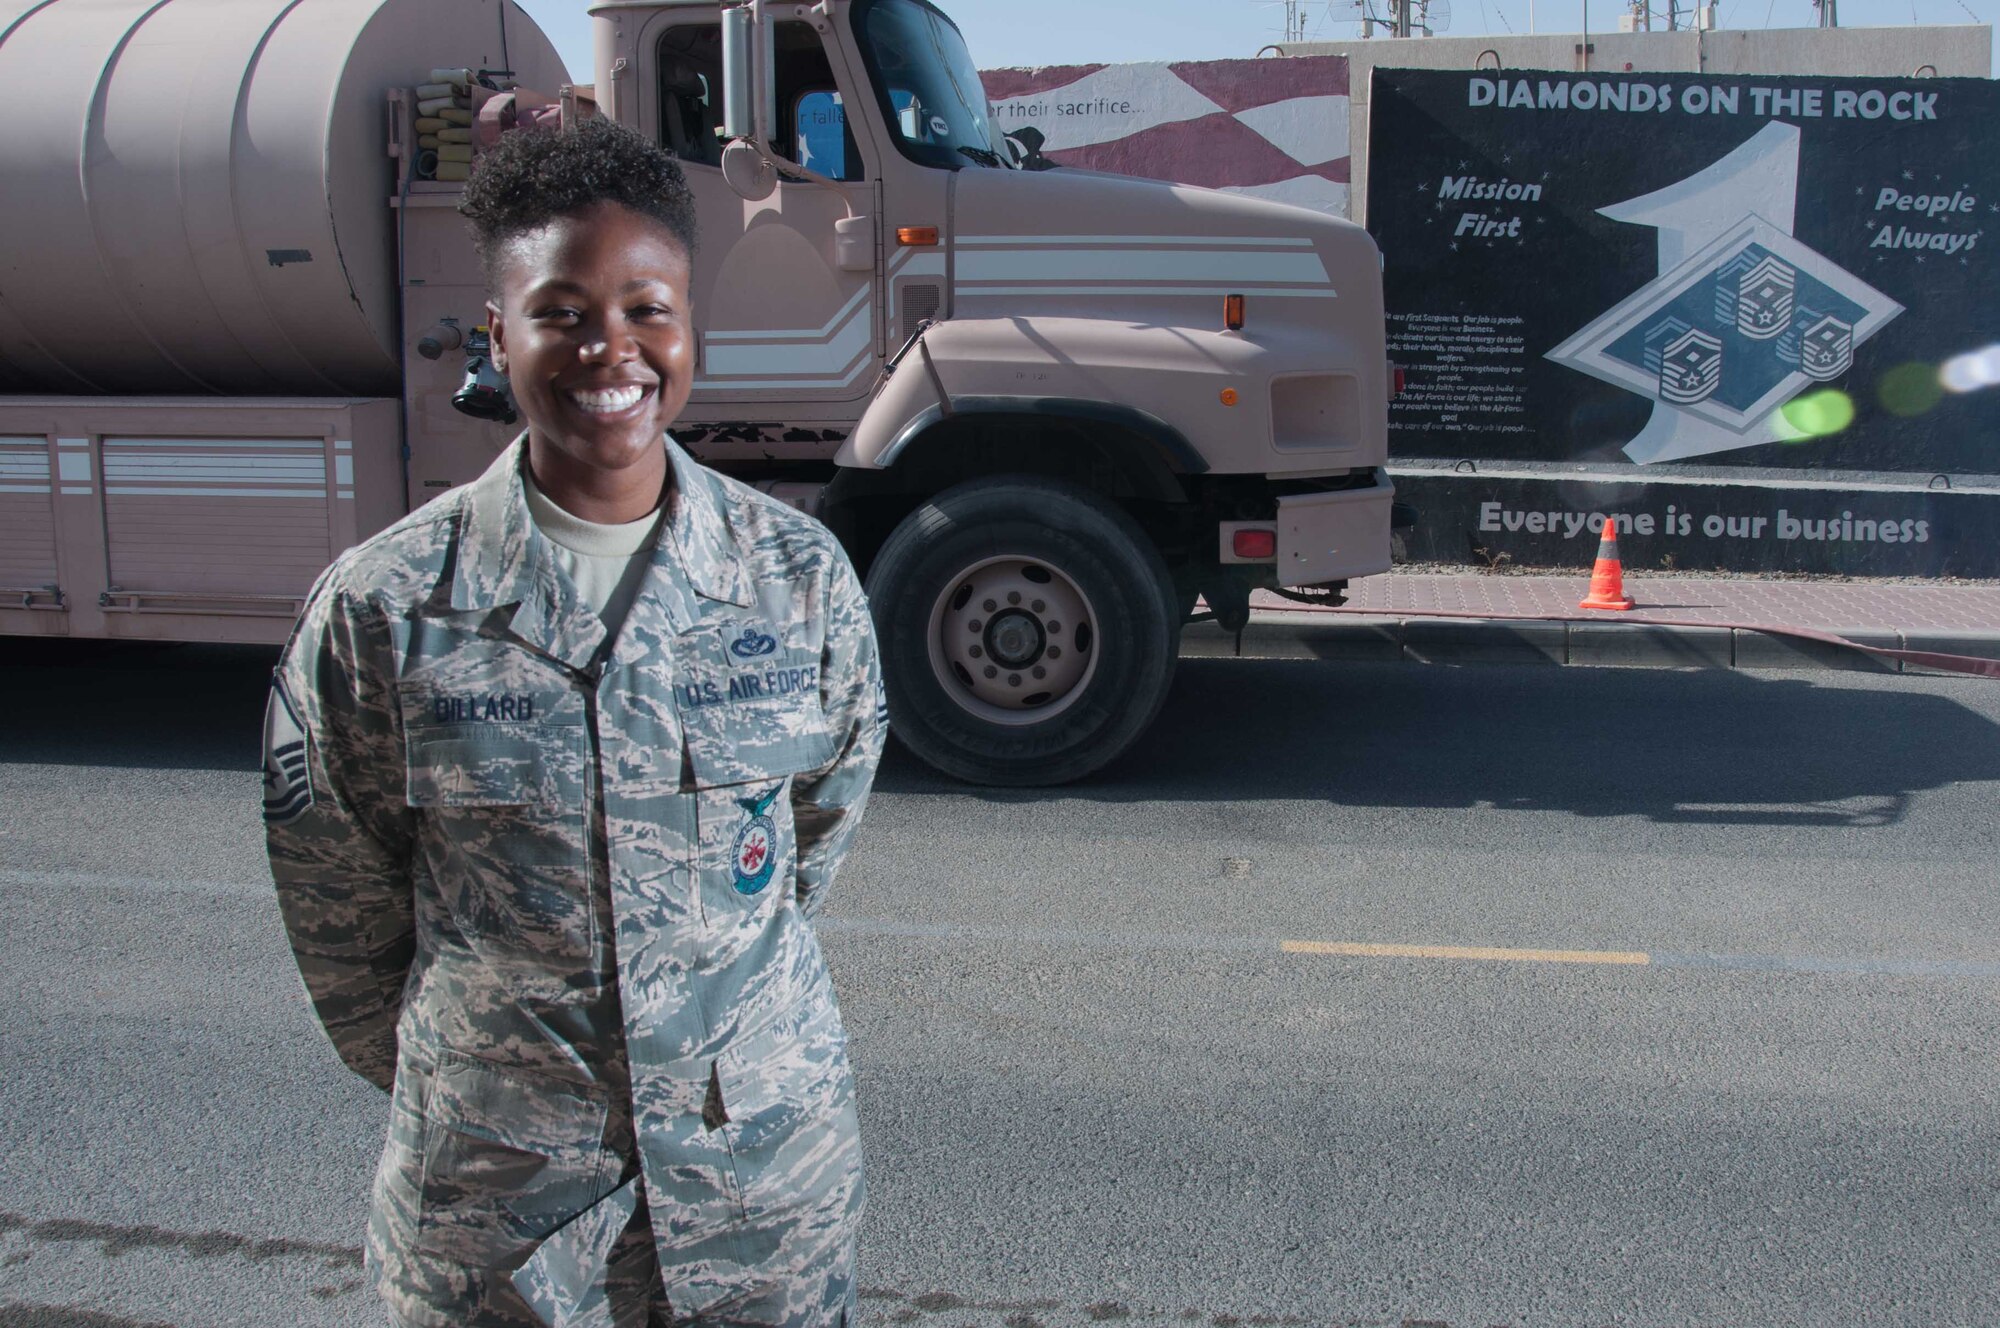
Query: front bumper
(1335,536)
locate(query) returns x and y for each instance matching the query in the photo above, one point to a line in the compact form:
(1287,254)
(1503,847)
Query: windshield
(930,89)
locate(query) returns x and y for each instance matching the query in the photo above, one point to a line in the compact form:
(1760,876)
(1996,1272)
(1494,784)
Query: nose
(610,342)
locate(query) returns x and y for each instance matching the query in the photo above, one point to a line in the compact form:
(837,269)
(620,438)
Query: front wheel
(1026,630)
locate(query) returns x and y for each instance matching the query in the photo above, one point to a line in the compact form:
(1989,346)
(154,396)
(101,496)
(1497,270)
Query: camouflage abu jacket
(556,898)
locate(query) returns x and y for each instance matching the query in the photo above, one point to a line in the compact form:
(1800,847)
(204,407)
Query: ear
(496,329)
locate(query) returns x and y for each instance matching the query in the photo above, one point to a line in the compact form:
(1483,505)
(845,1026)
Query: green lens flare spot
(1910,389)
(1784,431)
(1819,414)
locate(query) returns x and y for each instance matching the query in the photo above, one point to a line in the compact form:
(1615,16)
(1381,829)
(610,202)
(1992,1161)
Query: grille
(919,301)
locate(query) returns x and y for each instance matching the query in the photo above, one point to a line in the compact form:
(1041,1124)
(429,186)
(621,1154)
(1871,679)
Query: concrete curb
(1593,643)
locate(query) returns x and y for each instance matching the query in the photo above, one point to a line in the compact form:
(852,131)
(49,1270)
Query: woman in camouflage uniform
(558,770)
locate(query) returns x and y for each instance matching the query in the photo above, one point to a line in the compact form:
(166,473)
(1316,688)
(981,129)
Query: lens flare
(1783,430)
(1971,371)
(1819,414)
(1909,389)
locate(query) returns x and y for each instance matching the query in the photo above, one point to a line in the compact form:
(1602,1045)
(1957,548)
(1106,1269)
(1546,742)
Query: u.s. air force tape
(287,784)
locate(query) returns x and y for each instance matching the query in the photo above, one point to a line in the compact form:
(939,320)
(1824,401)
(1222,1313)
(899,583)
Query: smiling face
(591,325)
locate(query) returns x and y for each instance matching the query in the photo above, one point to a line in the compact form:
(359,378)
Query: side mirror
(748,171)
(749,82)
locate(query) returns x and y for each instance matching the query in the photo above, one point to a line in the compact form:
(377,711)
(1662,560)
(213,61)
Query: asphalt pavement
(1356,993)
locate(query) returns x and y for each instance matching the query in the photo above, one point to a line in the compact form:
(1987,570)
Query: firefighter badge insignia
(756,856)
(287,785)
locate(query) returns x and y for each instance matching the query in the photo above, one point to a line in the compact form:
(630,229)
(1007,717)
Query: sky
(1067,32)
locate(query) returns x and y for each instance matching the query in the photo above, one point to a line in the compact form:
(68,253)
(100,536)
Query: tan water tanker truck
(240,325)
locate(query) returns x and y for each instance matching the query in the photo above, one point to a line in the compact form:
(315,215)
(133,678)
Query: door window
(691,92)
(812,117)
(824,142)
(812,127)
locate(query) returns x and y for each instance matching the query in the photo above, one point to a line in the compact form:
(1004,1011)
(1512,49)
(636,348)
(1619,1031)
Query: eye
(652,312)
(553,313)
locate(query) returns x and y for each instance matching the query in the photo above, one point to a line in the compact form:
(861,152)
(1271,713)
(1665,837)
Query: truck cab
(1044,410)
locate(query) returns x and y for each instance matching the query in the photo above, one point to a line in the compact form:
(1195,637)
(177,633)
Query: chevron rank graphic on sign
(1742,318)
(1690,367)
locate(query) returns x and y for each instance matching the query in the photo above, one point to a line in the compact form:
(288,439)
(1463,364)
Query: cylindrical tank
(197,193)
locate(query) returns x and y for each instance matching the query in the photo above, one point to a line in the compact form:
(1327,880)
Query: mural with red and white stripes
(1274,129)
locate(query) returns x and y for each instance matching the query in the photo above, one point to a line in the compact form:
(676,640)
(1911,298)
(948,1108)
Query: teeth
(608,399)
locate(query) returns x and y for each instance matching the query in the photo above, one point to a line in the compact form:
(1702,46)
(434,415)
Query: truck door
(787,310)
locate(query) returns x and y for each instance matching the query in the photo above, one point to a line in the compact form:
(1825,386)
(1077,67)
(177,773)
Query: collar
(701,535)
(493,566)
(503,560)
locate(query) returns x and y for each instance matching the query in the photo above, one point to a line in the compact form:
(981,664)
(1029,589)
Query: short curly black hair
(532,177)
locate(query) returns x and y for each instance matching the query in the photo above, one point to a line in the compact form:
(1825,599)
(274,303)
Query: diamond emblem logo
(1743,316)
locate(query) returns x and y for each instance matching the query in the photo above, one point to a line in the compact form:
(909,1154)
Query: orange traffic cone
(1607,578)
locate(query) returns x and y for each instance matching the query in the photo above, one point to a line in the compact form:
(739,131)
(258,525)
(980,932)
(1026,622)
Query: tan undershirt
(606,564)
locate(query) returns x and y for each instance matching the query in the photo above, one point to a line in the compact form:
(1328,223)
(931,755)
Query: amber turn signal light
(1232,312)
(1229,397)
(916,235)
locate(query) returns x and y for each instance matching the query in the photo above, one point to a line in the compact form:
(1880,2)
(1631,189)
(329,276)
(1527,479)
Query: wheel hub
(1013,640)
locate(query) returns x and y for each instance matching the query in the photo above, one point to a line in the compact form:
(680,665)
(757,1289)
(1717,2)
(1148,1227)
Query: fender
(1060,368)
(1174,448)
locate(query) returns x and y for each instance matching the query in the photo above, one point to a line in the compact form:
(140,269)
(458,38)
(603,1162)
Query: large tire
(1081,608)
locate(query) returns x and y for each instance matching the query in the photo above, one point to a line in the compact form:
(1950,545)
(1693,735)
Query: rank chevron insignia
(287,783)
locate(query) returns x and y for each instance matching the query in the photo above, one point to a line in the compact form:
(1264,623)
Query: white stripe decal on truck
(793,334)
(1220,288)
(1103,264)
(823,358)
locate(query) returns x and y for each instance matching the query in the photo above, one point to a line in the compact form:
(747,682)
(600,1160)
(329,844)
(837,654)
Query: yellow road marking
(1376,950)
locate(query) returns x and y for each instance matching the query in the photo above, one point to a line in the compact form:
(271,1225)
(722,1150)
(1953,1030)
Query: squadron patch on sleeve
(287,784)
(756,856)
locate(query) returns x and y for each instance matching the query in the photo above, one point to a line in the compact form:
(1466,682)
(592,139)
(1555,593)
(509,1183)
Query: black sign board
(1778,283)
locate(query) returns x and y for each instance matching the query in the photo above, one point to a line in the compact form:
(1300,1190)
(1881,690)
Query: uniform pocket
(792,1128)
(748,850)
(747,847)
(755,742)
(399,1174)
(495,765)
(509,1155)
(503,829)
